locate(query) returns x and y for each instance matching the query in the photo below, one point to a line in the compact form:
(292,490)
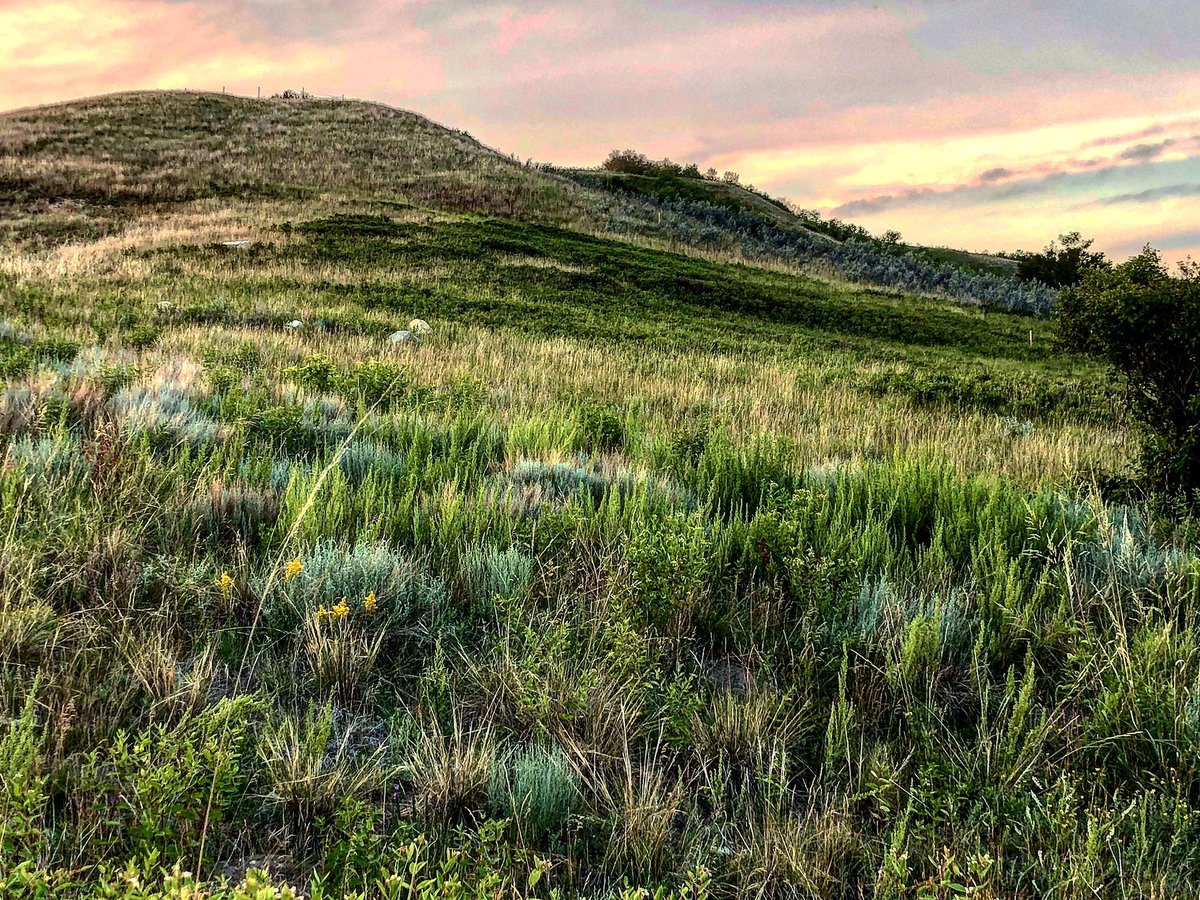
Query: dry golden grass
(751,397)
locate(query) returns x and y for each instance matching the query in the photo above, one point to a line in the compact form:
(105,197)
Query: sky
(981,124)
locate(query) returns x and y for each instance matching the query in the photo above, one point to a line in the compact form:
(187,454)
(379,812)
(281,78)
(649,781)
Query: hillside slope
(85,167)
(354,530)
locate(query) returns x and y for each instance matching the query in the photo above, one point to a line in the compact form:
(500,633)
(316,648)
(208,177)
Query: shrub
(317,372)
(282,427)
(143,337)
(361,459)
(1146,324)
(493,573)
(601,428)
(159,790)
(164,411)
(538,789)
(407,598)
(22,790)
(1062,264)
(379,382)
(668,561)
(49,461)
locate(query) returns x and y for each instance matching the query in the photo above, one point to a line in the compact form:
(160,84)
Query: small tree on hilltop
(628,162)
(1062,264)
(1146,324)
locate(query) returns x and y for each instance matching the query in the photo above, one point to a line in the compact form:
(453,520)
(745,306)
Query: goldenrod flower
(292,569)
(371,602)
(225,583)
(321,614)
(341,610)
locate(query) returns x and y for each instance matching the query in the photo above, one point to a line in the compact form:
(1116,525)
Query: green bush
(23,796)
(538,790)
(601,428)
(1146,324)
(161,790)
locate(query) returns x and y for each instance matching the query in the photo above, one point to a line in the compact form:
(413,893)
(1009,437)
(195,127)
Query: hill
(410,522)
(114,153)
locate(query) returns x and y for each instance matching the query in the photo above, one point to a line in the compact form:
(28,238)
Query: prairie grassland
(642,574)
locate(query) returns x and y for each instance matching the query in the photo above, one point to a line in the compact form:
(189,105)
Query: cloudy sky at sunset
(973,123)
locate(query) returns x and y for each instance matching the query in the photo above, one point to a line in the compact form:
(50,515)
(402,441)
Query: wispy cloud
(1144,152)
(1153,195)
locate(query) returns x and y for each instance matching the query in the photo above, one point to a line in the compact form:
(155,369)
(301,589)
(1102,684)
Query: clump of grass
(342,655)
(313,763)
(538,789)
(449,771)
(492,573)
(237,512)
(645,810)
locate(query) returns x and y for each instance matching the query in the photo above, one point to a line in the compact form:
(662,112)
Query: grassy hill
(655,564)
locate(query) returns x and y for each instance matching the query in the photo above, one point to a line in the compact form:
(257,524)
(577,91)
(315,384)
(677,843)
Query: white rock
(294,324)
(240,245)
(419,327)
(403,337)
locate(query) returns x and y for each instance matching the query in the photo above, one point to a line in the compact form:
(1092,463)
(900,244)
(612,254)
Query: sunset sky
(972,123)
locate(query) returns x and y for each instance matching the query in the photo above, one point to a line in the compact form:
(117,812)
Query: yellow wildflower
(371,602)
(321,614)
(341,610)
(225,583)
(292,569)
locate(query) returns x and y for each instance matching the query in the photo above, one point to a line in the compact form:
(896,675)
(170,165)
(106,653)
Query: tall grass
(711,596)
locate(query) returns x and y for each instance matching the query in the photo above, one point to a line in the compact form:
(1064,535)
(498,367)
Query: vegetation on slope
(93,161)
(643,572)
(702,212)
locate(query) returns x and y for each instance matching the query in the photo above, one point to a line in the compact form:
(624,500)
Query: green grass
(644,569)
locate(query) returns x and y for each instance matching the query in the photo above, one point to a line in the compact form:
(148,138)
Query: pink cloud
(127,44)
(513,28)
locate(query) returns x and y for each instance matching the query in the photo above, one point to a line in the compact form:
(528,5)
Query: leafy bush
(668,562)
(160,790)
(601,428)
(1062,264)
(23,795)
(1146,324)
